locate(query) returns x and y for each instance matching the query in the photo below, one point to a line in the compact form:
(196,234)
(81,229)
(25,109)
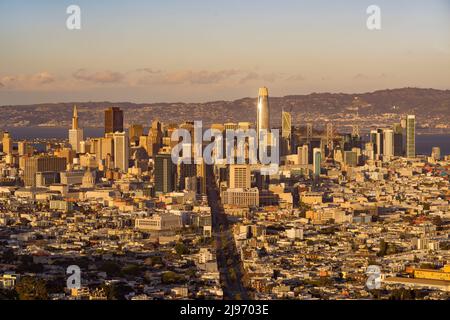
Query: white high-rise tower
(75,134)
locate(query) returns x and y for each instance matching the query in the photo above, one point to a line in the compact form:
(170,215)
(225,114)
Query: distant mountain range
(431,106)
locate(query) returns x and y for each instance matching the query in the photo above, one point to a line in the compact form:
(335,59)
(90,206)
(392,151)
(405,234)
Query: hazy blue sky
(148,51)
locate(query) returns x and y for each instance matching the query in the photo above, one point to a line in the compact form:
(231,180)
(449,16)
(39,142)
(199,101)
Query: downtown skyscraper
(75,133)
(113,120)
(286,132)
(262,113)
(411,136)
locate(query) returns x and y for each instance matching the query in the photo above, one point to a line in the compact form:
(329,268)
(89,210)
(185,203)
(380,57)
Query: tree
(181,248)
(171,277)
(30,288)
(383,248)
(233,275)
(116,291)
(131,270)
(111,268)
(153,260)
(8,256)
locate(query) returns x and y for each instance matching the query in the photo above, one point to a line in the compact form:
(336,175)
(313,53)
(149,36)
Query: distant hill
(432,107)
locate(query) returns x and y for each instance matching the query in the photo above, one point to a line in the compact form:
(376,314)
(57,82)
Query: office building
(411,136)
(376,137)
(165,173)
(240,177)
(286,132)
(121,151)
(24,148)
(135,132)
(7,143)
(201,175)
(153,142)
(317,159)
(388,142)
(350,158)
(157,222)
(37,164)
(398,140)
(436,153)
(262,114)
(241,197)
(309,132)
(185,170)
(113,120)
(303,155)
(75,133)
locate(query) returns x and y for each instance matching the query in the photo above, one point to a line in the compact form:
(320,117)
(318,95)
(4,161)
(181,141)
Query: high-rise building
(330,136)
(376,137)
(68,153)
(355,130)
(262,114)
(388,142)
(75,133)
(113,120)
(7,143)
(24,148)
(286,132)
(350,158)
(317,159)
(107,146)
(240,176)
(135,132)
(398,140)
(156,135)
(286,125)
(309,131)
(436,153)
(201,175)
(153,142)
(121,151)
(185,170)
(37,164)
(369,153)
(165,172)
(303,154)
(411,136)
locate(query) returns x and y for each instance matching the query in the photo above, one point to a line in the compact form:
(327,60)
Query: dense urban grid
(138,226)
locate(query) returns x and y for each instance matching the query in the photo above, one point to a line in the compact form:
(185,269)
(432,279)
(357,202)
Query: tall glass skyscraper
(398,140)
(317,159)
(286,133)
(262,116)
(286,124)
(113,120)
(411,136)
(388,142)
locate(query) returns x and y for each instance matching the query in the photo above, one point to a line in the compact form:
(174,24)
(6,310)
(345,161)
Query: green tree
(171,277)
(131,270)
(111,268)
(116,291)
(181,248)
(383,248)
(31,288)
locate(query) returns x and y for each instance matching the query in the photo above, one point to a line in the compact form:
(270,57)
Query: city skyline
(267,182)
(179,52)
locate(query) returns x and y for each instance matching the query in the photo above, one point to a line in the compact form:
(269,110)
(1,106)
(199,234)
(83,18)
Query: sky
(204,50)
